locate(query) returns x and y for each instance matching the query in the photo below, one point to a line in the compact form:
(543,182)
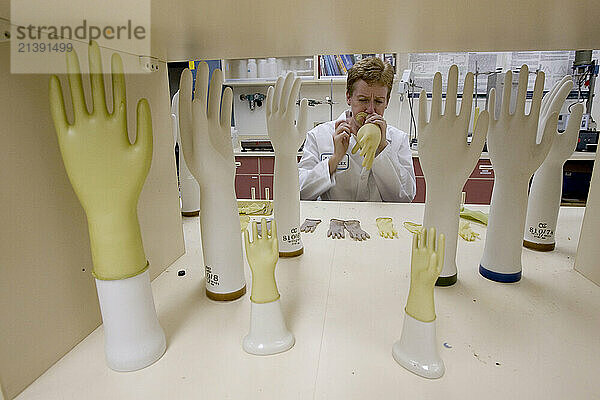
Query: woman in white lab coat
(329,171)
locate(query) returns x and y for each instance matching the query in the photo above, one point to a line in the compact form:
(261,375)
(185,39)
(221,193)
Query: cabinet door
(266,187)
(417,166)
(267,165)
(420,196)
(245,185)
(246,165)
(479,191)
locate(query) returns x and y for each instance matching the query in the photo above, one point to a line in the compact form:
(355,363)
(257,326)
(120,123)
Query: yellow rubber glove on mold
(426,264)
(262,255)
(106,171)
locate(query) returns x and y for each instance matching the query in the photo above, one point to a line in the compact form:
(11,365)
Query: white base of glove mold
(417,349)
(133,338)
(268,332)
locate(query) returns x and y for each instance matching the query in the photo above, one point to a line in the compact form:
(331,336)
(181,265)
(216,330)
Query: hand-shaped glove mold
(107,173)
(385,226)
(355,231)
(205,129)
(546,188)
(268,332)
(417,348)
(515,155)
(447,159)
(188,187)
(286,137)
(368,138)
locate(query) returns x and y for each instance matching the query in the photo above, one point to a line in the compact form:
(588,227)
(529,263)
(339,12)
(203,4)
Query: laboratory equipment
(513,167)
(447,160)
(252,69)
(546,188)
(417,348)
(205,126)
(107,173)
(189,191)
(268,332)
(286,136)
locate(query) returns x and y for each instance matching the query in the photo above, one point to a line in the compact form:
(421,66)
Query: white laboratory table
(344,300)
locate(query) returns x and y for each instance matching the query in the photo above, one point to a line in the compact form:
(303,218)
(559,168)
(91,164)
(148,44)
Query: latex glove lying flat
(355,231)
(386,229)
(309,225)
(465,231)
(336,229)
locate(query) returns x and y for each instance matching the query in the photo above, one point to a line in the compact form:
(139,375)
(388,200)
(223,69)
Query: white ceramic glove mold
(205,129)
(447,159)
(515,155)
(546,188)
(287,136)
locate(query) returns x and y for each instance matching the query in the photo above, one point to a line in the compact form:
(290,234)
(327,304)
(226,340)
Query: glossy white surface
(344,300)
(268,332)
(133,338)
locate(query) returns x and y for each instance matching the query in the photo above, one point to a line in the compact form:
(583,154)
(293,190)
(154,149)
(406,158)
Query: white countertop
(344,301)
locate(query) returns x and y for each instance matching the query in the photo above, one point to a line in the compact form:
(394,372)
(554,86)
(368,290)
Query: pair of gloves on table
(337,226)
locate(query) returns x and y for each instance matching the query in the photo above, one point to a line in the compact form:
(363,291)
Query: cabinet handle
(238,164)
(253,193)
(266,193)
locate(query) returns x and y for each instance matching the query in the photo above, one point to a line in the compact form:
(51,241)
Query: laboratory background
(179,259)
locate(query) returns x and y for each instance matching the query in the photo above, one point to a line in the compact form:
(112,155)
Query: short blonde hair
(373,71)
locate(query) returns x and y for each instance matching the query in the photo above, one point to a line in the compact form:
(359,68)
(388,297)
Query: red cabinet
(478,187)
(254,174)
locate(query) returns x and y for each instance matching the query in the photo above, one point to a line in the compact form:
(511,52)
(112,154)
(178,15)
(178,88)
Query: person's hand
(285,135)
(445,156)
(341,141)
(206,131)
(106,171)
(262,254)
(427,260)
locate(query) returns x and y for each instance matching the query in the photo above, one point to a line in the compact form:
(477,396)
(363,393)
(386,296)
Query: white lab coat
(391,178)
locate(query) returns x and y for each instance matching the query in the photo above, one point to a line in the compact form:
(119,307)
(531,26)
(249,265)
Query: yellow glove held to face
(106,171)
(367,140)
(262,255)
(427,262)
(385,226)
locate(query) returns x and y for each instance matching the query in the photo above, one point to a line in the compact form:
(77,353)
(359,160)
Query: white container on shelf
(252,69)
(272,67)
(242,69)
(262,68)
